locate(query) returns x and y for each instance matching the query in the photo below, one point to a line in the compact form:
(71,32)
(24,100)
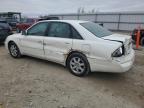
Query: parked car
(12,22)
(81,46)
(5,30)
(30,21)
(48,18)
(25,24)
(134,33)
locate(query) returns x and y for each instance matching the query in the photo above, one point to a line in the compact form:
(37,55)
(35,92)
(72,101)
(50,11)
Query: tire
(14,50)
(142,41)
(78,64)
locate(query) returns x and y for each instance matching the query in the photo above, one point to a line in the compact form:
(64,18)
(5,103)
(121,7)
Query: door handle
(39,41)
(47,44)
(44,44)
(67,43)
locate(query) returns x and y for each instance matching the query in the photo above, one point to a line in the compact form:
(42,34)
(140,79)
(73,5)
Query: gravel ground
(33,83)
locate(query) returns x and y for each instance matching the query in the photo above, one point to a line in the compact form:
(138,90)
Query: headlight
(118,53)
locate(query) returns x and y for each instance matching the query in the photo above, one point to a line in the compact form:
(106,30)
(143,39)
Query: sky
(46,7)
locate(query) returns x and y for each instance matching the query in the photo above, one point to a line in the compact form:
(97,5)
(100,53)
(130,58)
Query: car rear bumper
(119,65)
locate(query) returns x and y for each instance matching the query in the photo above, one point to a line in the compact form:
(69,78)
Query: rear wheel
(78,64)
(14,50)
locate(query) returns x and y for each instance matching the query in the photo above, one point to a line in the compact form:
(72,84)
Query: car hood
(118,37)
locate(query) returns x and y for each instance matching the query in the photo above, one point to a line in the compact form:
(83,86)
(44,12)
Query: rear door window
(60,30)
(75,34)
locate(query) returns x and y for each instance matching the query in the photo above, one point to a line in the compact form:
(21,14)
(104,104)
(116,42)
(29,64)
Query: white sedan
(82,46)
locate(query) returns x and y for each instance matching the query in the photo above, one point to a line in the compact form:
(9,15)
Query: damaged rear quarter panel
(96,49)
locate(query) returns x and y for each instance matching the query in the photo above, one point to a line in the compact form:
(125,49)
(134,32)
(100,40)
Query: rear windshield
(96,29)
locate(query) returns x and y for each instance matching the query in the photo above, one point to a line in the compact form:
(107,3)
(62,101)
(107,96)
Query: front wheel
(14,50)
(78,64)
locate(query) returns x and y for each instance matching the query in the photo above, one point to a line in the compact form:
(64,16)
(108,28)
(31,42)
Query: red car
(25,24)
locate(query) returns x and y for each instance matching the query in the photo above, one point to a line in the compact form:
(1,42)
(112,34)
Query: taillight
(118,52)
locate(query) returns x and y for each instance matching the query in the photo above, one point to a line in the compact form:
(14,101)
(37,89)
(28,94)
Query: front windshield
(96,29)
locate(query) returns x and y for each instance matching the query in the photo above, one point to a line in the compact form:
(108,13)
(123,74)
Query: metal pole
(119,17)
(78,16)
(62,17)
(96,17)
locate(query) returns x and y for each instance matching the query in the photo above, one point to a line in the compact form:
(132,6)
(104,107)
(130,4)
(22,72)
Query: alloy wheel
(77,65)
(13,50)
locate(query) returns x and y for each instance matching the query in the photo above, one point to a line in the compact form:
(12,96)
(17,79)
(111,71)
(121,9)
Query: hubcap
(77,65)
(13,50)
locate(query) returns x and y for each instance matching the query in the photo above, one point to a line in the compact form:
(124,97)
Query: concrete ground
(33,83)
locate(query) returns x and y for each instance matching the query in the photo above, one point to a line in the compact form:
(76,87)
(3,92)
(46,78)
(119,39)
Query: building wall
(113,21)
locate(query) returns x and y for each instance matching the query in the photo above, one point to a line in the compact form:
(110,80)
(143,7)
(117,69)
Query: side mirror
(24,32)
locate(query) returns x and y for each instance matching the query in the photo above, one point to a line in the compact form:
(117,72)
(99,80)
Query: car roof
(66,21)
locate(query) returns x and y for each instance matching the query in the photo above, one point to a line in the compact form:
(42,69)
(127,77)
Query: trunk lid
(125,39)
(118,37)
